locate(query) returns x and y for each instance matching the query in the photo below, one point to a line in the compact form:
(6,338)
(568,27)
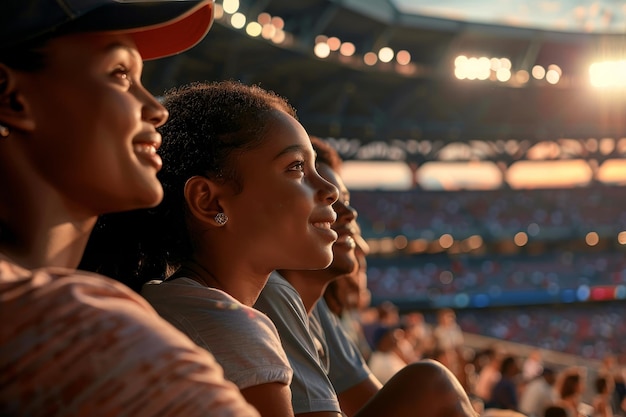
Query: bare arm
(272,399)
(355,397)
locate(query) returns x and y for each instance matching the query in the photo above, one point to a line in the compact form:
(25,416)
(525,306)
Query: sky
(596,16)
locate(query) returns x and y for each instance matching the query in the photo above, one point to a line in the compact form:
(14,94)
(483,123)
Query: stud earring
(4,131)
(221,218)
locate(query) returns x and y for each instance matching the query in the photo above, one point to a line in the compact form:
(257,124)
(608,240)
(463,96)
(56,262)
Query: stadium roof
(341,96)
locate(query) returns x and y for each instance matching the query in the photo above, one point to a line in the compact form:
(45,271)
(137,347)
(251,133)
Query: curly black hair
(209,125)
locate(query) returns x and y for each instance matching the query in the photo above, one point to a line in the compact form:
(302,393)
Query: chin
(342,267)
(151,195)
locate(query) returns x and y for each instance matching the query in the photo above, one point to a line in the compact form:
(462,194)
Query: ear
(203,199)
(14,111)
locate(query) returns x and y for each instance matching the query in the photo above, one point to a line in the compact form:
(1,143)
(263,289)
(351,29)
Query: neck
(37,227)
(245,287)
(309,284)
(49,236)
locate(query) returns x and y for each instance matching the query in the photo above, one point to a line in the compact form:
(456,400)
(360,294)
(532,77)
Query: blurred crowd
(500,382)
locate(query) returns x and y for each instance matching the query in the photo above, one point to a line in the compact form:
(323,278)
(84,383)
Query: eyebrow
(113,46)
(292,149)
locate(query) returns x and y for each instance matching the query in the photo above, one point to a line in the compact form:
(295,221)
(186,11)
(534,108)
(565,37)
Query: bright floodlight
(553,76)
(264,18)
(403,57)
(279,36)
(538,72)
(278,22)
(334,43)
(238,20)
(608,74)
(321,50)
(268,31)
(385,54)
(347,49)
(253,29)
(370,58)
(503,74)
(231,6)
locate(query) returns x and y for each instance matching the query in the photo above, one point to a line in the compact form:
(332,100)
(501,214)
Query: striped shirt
(78,344)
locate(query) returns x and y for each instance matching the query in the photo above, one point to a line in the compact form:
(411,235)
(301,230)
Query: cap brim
(159,28)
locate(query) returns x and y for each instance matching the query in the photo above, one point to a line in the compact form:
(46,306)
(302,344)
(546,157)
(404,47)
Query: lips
(146,150)
(324,224)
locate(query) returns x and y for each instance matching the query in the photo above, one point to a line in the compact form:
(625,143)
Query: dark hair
(326,154)
(209,125)
(601,384)
(25,57)
(570,385)
(508,365)
(555,411)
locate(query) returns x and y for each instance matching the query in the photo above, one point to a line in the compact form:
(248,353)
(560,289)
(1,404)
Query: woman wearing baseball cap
(78,139)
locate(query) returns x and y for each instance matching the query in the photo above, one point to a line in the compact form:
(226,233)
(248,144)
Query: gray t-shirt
(242,339)
(317,349)
(346,366)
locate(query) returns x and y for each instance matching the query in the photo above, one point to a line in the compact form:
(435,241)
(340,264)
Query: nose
(345,211)
(153,111)
(326,191)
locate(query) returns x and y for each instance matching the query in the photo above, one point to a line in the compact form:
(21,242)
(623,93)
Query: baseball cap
(160,28)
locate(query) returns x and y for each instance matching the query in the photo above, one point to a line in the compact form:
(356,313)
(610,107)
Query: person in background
(570,389)
(504,393)
(242,198)
(601,402)
(330,377)
(532,366)
(419,333)
(538,394)
(78,139)
(386,359)
(449,338)
(489,373)
(348,296)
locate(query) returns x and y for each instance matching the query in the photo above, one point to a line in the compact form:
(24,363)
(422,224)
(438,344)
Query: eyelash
(297,166)
(124,73)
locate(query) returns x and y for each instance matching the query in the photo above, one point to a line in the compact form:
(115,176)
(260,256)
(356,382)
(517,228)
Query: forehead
(90,46)
(283,127)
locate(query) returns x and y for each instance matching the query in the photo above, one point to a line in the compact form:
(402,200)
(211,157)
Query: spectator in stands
(387,358)
(570,390)
(418,333)
(489,373)
(329,379)
(78,139)
(504,393)
(538,394)
(601,403)
(449,337)
(532,366)
(229,148)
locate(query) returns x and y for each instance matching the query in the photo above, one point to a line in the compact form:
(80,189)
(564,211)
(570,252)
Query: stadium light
(347,49)
(231,6)
(608,74)
(253,29)
(321,50)
(385,54)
